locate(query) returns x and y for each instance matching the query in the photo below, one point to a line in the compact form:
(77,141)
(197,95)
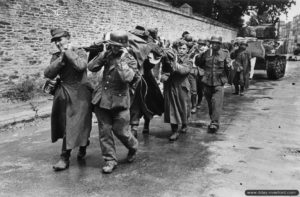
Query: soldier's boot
(82,151)
(146,126)
(109,166)
(242,91)
(131,156)
(237,89)
(175,133)
(213,127)
(134,130)
(199,102)
(184,128)
(194,101)
(63,162)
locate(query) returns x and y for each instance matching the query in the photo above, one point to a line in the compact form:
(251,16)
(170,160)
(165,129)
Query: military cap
(139,31)
(58,33)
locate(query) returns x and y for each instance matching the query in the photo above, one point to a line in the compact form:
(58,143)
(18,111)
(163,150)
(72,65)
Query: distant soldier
(235,46)
(141,32)
(214,62)
(241,67)
(192,51)
(71,117)
(112,99)
(153,34)
(201,48)
(184,35)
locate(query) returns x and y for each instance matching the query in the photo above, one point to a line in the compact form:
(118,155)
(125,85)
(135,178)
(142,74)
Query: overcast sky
(295,10)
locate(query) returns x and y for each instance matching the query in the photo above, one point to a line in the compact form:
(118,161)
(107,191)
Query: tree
(231,11)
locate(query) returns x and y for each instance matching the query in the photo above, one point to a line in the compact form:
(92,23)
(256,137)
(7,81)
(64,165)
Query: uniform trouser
(193,83)
(214,96)
(114,122)
(200,89)
(136,113)
(239,80)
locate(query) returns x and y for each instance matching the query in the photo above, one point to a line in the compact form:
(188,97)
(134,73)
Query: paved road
(258,147)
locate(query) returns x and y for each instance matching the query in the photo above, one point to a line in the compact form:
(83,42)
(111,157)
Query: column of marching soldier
(129,88)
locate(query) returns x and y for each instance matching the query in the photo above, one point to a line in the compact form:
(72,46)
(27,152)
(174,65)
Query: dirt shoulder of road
(17,112)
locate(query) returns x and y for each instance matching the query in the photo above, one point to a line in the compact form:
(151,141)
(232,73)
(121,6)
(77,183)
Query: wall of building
(25,47)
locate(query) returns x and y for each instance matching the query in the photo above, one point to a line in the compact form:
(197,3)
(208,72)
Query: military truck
(269,50)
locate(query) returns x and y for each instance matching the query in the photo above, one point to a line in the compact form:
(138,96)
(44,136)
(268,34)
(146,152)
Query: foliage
(231,11)
(24,90)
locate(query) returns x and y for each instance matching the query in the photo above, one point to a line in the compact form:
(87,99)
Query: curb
(26,116)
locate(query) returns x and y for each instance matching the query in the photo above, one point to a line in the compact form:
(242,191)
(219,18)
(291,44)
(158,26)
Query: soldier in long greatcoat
(71,117)
(175,73)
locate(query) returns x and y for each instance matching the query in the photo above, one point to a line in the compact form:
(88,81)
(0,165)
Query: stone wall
(25,25)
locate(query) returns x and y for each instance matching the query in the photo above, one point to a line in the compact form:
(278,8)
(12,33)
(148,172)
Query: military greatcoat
(177,92)
(71,115)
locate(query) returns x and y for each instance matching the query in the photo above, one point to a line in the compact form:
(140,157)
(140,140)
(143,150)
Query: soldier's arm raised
(78,59)
(127,68)
(98,62)
(55,65)
(184,68)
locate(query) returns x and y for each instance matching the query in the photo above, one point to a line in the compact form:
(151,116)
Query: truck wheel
(275,68)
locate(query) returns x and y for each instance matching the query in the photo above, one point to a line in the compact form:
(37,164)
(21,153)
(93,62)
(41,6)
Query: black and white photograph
(149,98)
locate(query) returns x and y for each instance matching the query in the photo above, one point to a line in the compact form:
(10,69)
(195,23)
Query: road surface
(257,147)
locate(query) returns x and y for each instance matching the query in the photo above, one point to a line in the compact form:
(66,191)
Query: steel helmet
(216,39)
(244,42)
(119,38)
(201,41)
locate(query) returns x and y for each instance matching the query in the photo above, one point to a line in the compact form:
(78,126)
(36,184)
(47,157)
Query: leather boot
(146,126)
(199,103)
(134,129)
(131,155)
(242,91)
(194,100)
(175,133)
(82,151)
(213,127)
(109,167)
(237,89)
(63,162)
(184,128)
